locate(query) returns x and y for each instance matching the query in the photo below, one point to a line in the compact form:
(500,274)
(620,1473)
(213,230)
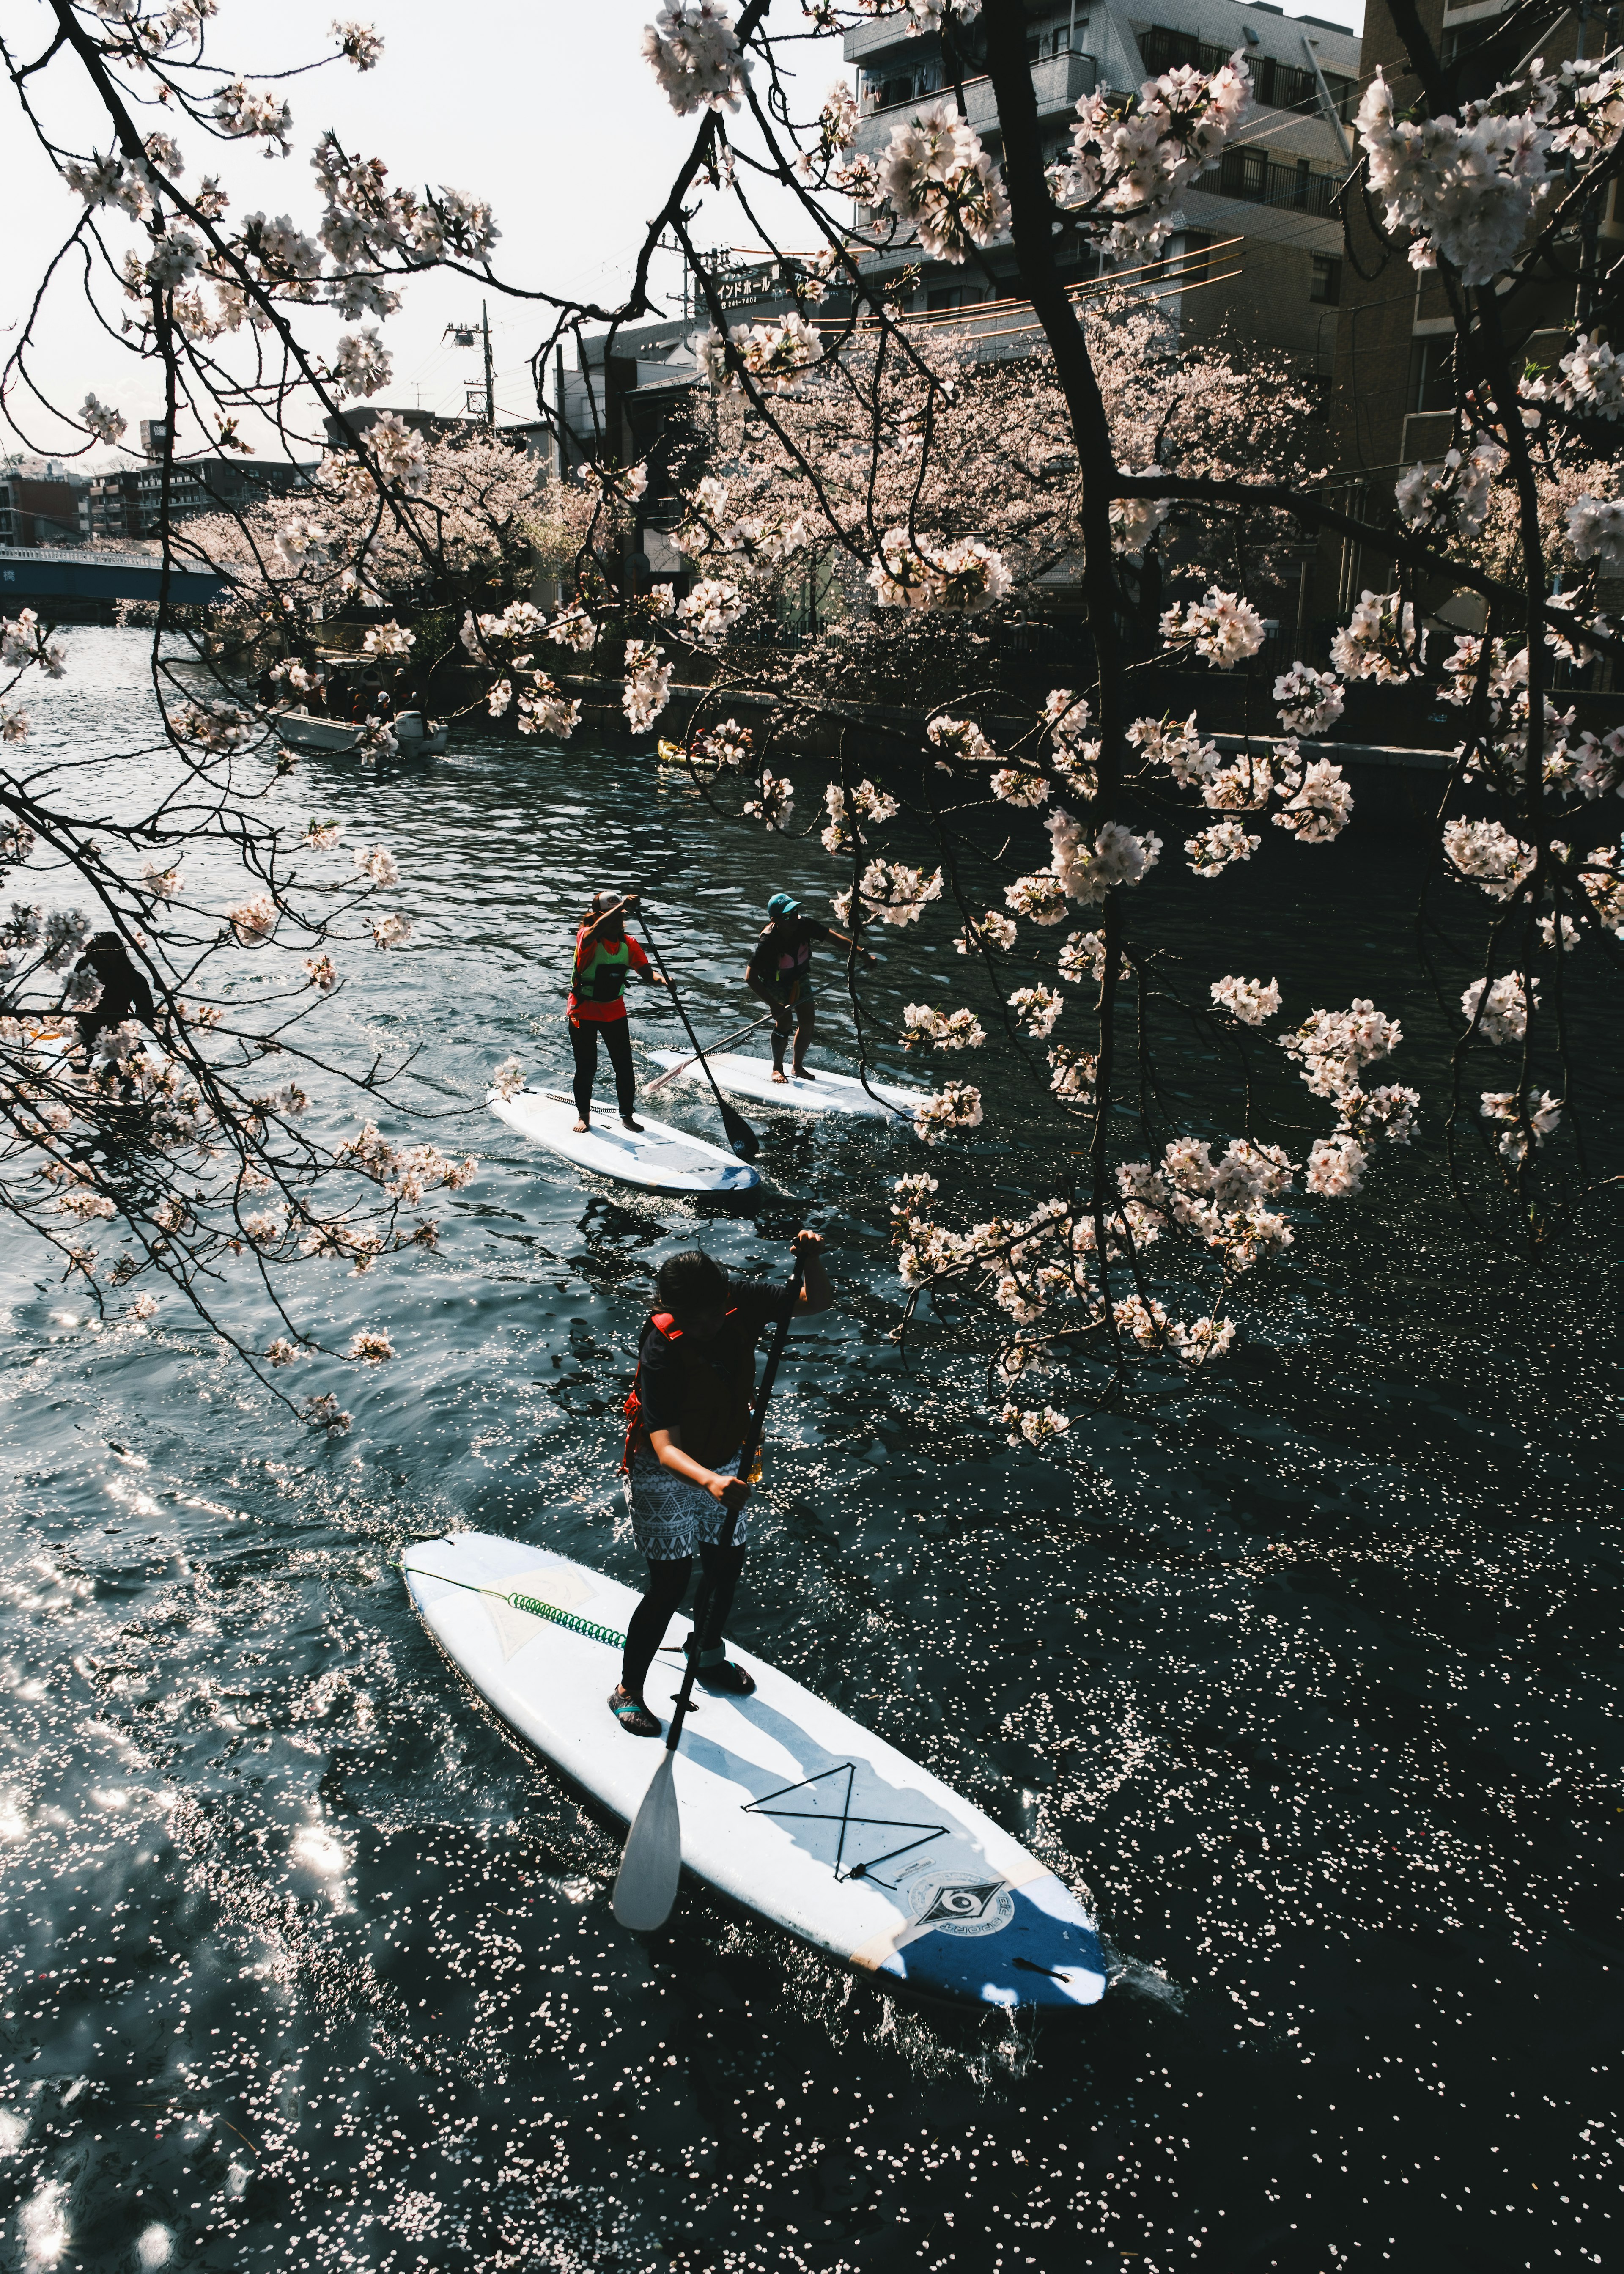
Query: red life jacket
(716,1403)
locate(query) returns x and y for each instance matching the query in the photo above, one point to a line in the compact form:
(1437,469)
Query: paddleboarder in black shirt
(688,1412)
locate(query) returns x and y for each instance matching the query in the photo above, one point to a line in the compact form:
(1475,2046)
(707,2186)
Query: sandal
(632,1714)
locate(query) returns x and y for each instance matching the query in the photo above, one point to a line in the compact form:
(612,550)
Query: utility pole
(465,336)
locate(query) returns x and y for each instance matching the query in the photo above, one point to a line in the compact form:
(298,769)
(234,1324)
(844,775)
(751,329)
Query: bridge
(31,576)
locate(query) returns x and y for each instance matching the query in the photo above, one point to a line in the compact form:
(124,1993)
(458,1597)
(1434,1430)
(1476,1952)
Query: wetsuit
(124,993)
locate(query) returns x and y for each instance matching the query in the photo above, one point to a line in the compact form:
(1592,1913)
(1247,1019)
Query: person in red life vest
(605,961)
(688,1412)
(780,972)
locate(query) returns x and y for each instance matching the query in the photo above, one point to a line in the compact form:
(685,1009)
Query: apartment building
(1261,248)
(39,505)
(128,502)
(1393,403)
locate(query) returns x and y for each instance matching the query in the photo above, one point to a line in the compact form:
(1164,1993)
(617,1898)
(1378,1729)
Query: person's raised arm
(816,1294)
(623,907)
(845,941)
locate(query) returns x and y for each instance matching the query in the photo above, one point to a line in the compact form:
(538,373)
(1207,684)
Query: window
(1326,286)
(1432,372)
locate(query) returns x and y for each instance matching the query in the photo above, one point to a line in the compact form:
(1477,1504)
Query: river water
(1307,1677)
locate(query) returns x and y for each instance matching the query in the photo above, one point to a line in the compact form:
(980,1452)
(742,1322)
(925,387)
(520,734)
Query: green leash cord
(538,1610)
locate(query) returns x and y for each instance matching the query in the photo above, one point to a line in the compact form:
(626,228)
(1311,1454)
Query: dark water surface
(1308,1677)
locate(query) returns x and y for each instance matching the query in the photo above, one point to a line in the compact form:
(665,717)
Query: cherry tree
(936,490)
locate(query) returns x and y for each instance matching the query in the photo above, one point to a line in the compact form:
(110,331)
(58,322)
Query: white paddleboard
(657,1156)
(830,1093)
(788,1808)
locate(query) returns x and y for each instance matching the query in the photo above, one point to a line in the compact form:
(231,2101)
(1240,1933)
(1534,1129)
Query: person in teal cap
(780,972)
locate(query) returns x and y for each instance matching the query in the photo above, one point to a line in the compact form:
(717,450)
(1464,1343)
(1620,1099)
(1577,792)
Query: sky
(545,107)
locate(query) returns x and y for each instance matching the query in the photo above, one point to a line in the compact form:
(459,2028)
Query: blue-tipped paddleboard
(788,1808)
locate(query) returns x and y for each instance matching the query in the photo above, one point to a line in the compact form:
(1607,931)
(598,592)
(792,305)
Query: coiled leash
(537,1609)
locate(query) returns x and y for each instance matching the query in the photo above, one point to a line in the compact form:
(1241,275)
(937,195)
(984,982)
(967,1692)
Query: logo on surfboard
(957,1903)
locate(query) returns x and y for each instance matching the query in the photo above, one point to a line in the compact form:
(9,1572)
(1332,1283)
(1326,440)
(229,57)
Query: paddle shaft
(747,1462)
(739,1130)
(738,1036)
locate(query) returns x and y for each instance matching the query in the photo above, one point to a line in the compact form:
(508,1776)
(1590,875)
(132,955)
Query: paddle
(737,1036)
(740,1136)
(652,1864)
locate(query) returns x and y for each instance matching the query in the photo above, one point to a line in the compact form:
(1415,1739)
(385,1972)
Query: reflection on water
(1308,1679)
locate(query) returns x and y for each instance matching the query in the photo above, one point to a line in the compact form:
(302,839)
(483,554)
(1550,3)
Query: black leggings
(583,1033)
(667,1584)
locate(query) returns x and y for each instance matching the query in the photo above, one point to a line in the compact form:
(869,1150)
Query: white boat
(830,1093)
(304,730)
(657,1156)
(788,1807)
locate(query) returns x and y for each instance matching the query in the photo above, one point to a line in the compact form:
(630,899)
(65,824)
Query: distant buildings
(39,505)
(129,502)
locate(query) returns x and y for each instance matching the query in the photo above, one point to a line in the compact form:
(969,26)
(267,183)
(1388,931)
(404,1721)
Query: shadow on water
(1306,1676)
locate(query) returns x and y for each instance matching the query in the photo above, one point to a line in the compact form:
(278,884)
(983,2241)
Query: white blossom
(1321,809)
(1033,1424)
(1504,1017)
(948,1030)
(509,1078)
(363,366)
(694,50)
(1037,1009)
(360,43)
(1083,955)
(1213,850)
(648,684)
(104,424)
(993,929)
(775,796)
(1335,1168)
(1223,629)
(1541,1113)
(1249,1000)
(1087,872)
(958,1106)
(1596,532)
(712,608)
(1380,641)
(1489,855)
(937,177)
(931,573)
(1309,700)
(1040,898)
(890,893)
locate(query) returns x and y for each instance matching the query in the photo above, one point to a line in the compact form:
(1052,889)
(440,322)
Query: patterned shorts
(671,1517)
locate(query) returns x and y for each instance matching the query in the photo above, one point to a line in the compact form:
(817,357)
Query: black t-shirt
(783,954)
(660,1383)
(124,992)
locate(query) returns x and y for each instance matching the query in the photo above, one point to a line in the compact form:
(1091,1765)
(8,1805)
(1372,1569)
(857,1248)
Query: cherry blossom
(777,355)
(1336,1168)
(1088,872)
(371,1347)
(994,930)
(1459,491)
(1542,1112)
(1589,381)
(694,50)
(774,798)
(1040,898)
(1249,1000)
(1504,1015)
(1037,1009)
(1321,809)
(1489,855)
(966,575)
(868,805)
(890,893)
(1330,1047)
(1213,850)
(509,1078)
(938,178)
(1033,1424)
(1223,629)
(105,425)
(387,640)
(1132,157)
(1466,189)
(1596,532)
(946,1031)
(648,684)
(1309,700)
(958,1106)
(1082,956)
(240,113)
(1175,744)
(363,365)
(1380,641)
(391,931)
(1015,786)
(252,920)
(712,607)
(360,43)
(961,739)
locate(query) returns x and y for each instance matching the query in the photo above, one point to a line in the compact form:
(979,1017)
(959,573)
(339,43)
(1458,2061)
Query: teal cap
(782,904)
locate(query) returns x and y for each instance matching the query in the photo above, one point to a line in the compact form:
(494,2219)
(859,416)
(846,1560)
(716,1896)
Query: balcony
(1255,179)
(1057,80)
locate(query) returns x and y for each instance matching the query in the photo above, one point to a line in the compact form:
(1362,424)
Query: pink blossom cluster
(1132,157)
(940,183)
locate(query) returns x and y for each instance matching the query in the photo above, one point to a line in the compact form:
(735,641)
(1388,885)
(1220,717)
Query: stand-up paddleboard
(830,1093)
(657,1156)
(788,1808)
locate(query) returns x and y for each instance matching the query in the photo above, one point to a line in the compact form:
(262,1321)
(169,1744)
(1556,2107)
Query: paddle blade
(740,1136)
(647,1886)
